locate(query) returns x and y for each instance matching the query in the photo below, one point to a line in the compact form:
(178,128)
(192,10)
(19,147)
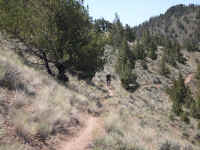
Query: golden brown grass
(42,108)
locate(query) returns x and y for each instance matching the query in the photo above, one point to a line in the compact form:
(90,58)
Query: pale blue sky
(132,12)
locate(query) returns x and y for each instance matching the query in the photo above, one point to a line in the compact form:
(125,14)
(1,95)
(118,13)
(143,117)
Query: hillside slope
(36,112)
(180,22)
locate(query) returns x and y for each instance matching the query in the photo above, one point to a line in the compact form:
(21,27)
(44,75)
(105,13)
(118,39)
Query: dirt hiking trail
(188,78)
(94,127)
(85,137)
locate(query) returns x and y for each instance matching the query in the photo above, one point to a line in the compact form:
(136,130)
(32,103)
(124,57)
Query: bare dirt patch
(85,137)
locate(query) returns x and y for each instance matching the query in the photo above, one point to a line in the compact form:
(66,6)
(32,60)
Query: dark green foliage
(173,53)
(179,90)
(195,107)
(194,110)
(102,25)
(179,56)
(58,32)
(125,65)
(185,118)
(128,80)
(164,70)
(176,24)
(139,51)
(129,33)
(179,94)
(177,108)
(117,32)
(170,57)
(152,50)
(188,99)
(149,45)
(198,71)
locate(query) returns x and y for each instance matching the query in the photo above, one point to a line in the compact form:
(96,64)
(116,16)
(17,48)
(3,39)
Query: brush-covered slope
(35,111)
(180,22)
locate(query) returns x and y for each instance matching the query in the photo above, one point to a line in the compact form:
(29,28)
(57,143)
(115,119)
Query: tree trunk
(47,64)
(61,72)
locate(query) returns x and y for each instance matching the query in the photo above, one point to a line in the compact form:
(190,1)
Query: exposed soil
(85,137)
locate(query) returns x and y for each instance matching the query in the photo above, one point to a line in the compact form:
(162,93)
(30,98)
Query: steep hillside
(180,22)
(38,111)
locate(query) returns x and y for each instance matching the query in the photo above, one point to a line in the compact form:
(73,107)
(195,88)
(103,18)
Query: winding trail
(94,127)
(85,137)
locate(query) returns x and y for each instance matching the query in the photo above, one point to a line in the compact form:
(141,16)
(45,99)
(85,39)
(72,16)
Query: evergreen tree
(125,65)
(164,70)
(180,95)
(117,32)
(149,45)
(58,32)
(139,51)
(179,56)
(129,33)
(152,50)
(102,25)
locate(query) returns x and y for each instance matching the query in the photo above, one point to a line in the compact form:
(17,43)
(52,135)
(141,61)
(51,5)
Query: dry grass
(36,105)
(127,131)
(14,146)
(44,109)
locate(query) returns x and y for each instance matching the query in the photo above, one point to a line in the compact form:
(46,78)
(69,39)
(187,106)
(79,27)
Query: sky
(132,12)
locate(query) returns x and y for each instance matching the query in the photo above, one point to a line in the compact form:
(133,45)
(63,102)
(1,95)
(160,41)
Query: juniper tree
(180,95)
(117,32)
(125,65)
(59,32)
(152,50)
(164,70)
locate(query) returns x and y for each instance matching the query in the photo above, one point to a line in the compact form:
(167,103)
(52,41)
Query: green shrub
(198,71)
(185,118)
(139,51)
(171,116)
(177,108)
(124,66)
(179,92)
(152,49)
(128,80)
(163,68)
(195,110)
